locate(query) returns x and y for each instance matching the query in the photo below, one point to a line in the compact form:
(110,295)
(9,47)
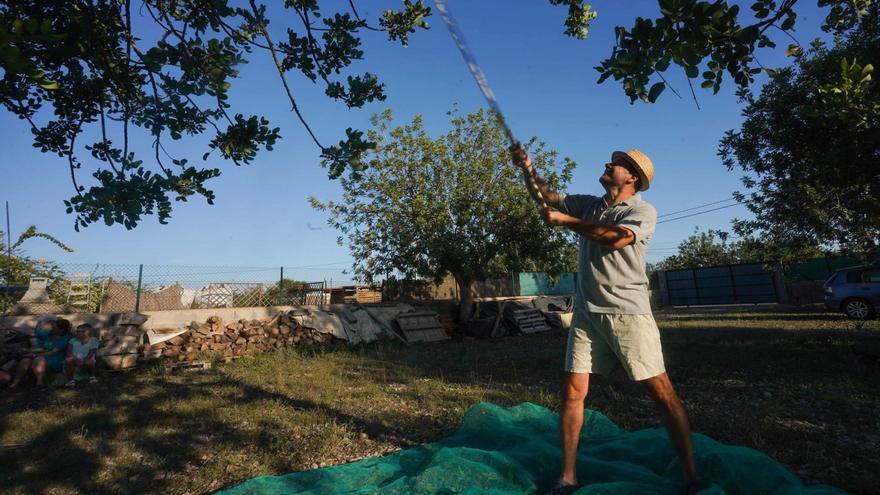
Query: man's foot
(562,488)
(694,487)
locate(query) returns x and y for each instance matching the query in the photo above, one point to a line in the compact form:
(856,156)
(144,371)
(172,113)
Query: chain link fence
(105,288)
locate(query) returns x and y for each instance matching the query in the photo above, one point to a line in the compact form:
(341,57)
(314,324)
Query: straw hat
(640,162)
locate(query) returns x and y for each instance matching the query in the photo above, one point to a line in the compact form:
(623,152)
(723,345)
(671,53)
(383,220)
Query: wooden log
(120,361)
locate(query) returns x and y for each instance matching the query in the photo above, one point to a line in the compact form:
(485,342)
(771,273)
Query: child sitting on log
(81,355)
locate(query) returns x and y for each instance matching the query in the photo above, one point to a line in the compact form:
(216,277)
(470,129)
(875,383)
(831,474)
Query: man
(612,320)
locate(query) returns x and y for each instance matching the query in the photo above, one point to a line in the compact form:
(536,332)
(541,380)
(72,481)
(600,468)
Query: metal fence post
(137,297)
(281,288)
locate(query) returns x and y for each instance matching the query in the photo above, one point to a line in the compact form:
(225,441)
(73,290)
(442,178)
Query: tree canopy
(90,77)
(426,207)
(715,247)
(810,148)
(16,267)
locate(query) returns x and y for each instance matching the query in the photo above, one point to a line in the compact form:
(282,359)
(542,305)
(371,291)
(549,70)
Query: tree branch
(71,160)
(316,47)
(669,85)
(783,9)
(692,92)
(356,16)
(283,77)
(104,140)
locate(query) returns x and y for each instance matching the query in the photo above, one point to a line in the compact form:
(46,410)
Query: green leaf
(49,85)
(692,71)
(793,49)
(707,84)
(692,58)
(655,91)
(663,63)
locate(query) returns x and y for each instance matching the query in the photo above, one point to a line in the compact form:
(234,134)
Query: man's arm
(613,236)
(530,176)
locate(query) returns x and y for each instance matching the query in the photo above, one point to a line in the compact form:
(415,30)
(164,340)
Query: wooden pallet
(530,321)
(188,366)
(421,326)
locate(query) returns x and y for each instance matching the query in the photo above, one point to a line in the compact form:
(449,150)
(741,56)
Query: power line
(695,207)
(698,213)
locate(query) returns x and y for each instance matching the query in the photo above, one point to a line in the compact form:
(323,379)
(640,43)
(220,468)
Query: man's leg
(675,420)
(571,419)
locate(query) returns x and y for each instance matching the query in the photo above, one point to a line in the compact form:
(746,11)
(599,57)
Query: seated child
(81,355)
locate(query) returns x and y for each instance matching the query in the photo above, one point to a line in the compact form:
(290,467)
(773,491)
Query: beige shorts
(597,341)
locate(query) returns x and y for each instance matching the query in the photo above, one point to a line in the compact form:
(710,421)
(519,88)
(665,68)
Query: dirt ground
(783,382)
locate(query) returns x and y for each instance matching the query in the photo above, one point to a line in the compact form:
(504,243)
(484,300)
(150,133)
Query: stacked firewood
(241,338)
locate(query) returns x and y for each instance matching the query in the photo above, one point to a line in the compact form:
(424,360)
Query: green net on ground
(515,450)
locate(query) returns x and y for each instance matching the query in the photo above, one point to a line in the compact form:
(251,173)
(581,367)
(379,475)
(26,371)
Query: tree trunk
(466,299)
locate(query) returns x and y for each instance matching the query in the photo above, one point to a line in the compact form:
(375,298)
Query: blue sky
(545,83)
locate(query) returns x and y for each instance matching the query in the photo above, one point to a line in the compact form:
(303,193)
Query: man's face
(616,175)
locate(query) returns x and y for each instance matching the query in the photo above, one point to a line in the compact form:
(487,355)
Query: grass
(782,382)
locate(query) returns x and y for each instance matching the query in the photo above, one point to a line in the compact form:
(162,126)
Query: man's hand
(520,157)
(556,218)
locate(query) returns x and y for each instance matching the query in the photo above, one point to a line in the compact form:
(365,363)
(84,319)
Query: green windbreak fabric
(515,450)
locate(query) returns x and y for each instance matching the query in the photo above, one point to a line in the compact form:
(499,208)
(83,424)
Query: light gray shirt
(612,280)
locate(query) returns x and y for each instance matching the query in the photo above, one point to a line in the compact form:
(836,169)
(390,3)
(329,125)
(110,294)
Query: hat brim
(644,183)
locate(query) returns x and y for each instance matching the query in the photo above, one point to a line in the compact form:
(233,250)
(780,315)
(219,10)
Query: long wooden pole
(483,83)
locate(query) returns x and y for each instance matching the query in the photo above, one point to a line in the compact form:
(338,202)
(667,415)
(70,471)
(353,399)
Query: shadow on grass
(70,455)
(723,374)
